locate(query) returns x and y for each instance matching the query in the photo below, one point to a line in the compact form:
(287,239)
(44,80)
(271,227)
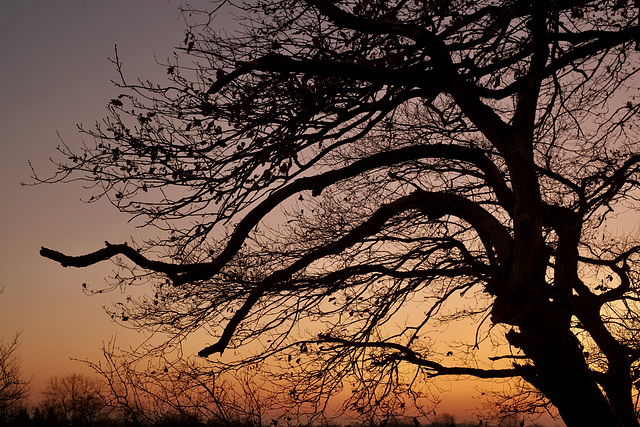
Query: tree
(334,180)
(180,391)
(14,389)
(73,400)
(444,420)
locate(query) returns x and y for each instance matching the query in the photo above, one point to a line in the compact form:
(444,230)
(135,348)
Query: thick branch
(108,252)
(381,74)
(184,273)
(406,354)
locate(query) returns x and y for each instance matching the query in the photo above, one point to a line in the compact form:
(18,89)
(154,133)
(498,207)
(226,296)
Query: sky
(55,73)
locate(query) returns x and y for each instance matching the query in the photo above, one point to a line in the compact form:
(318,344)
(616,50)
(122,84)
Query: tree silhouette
(335,180)
(73,400)
(14,388)
(163,390)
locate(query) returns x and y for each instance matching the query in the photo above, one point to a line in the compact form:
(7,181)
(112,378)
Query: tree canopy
(333,181)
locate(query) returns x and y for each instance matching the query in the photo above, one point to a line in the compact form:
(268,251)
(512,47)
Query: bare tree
(14,388)
(73,400)
(333,181)
(154,390)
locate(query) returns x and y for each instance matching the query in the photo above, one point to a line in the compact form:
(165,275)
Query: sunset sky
(55,74)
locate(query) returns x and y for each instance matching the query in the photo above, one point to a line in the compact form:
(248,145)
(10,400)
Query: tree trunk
(563,376)
(618,389)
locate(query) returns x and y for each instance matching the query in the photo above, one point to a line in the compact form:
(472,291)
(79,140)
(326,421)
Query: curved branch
(488,228)
(184,273)
(406,77)
(171,270)
(406,354)
(360,270)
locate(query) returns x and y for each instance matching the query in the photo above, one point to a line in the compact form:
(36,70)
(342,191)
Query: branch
(448,77)
(406,354)
(367,228)
(509,356)
(108,252)
(614,182)
(433,205)
(184,273)
(334,277)
(274,62)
